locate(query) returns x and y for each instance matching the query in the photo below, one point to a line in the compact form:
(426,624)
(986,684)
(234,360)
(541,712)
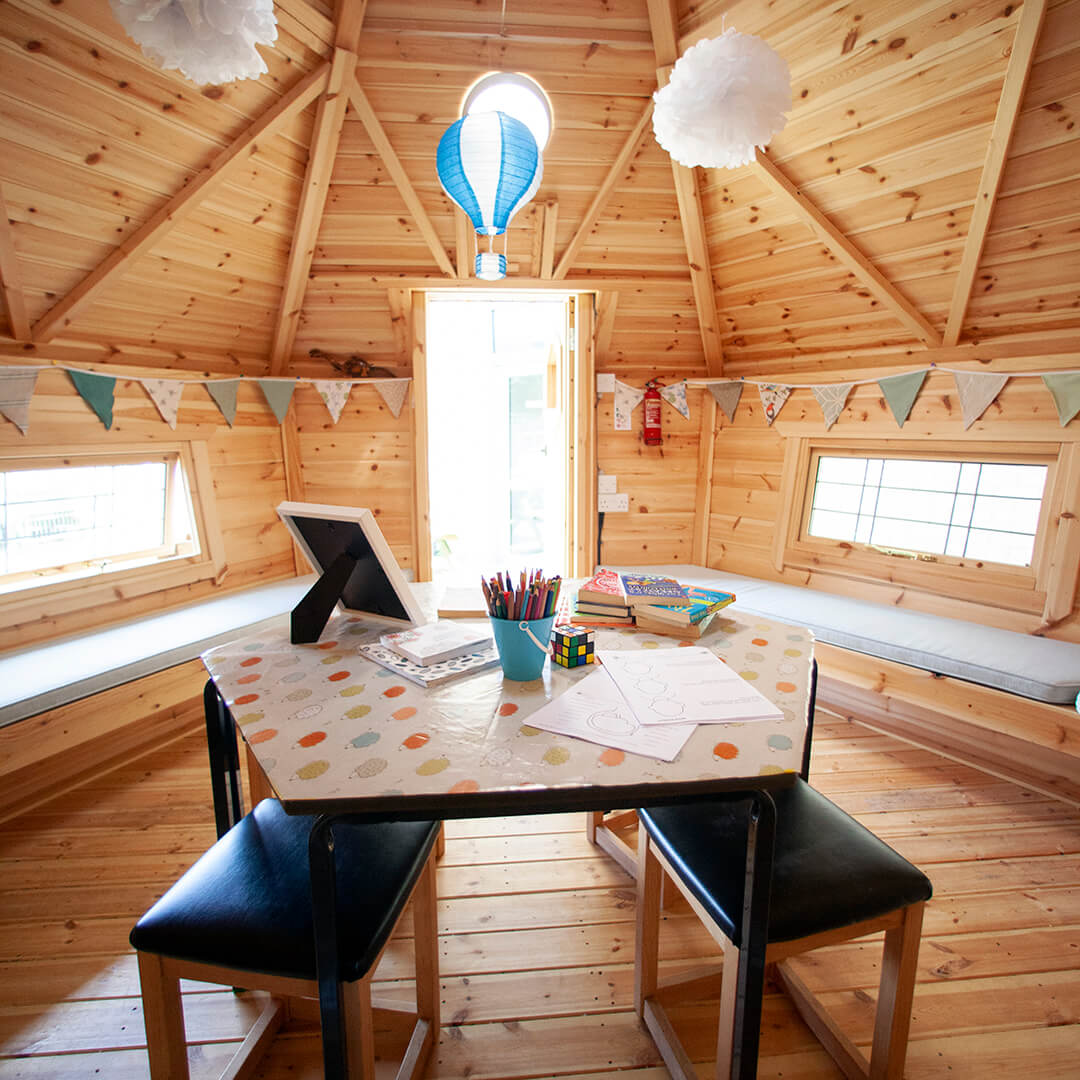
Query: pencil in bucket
(521,615)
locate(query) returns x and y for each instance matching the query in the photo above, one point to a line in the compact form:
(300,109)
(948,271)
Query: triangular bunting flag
(334,394)
(675,396)
(393,392)
(97,391)
(901,391)
(223,391)
(1065,386)
(727,396)
(165,394)
(278,394)
(773,396)
(976,389)
(627,398)
(16,390)
(832,400)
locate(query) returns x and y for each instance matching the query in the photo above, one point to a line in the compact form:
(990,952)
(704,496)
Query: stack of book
(602,601)
(686,620)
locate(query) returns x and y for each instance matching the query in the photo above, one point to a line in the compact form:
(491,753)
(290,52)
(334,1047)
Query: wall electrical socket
(611,503)
(605,382)
(605,484)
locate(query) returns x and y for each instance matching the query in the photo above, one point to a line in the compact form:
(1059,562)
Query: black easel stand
(311,614)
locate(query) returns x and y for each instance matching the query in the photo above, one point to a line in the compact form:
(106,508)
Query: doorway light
(516,95)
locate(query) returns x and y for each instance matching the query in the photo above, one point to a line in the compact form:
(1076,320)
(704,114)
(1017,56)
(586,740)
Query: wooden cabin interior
(919,212)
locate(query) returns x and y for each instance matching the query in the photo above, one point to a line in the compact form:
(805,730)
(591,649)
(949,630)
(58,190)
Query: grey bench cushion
(1033,667)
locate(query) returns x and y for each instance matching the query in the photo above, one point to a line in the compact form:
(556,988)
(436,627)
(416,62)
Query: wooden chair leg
(360,1024)
(725,1034)
(899,964)
(163,1016)
(593,819)
(426,942)
(647,944)
(440,841)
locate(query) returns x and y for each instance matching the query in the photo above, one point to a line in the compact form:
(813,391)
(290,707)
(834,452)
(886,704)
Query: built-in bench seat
(1014,711)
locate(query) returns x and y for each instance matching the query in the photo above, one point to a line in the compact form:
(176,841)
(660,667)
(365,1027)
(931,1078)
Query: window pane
(832,526)
(915,505)
(1024,481)
(1009,515)
(909,535)
(921,475)
(841,470)
(1000,547)
(844,497)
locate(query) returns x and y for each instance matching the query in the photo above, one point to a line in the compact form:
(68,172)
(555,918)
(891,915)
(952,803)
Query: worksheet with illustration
(684,686)
(594,710)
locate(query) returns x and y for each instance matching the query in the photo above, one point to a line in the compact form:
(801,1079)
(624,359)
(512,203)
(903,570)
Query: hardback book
(589,608)
(703,602)
(586,618)
(653,589)
(463,603)
(430,674)
(604,587)
(686,631)
(434,642)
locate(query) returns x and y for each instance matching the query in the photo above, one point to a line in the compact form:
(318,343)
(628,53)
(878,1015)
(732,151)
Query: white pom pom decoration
(208,41)
(726,96)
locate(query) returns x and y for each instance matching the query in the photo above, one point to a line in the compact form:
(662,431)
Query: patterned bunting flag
(773,396)
(727,396)
(393,392)
(165,394)
(900,392)
(1065,386)
(627,399)
(976,390)
(832,400)
(334,394)
(98,392)
(675,396)
(223,391)
(278,394)
(16,390)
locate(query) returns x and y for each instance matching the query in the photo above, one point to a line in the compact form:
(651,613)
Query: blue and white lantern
(489,164)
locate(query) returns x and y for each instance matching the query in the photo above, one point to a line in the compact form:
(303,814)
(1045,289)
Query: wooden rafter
(604,192)
(11,279)
(181,204)
(401,178)
(463,233)
(1028,27)
(550,223)
(846,252)
(666,47)
(348,22)
(324,144)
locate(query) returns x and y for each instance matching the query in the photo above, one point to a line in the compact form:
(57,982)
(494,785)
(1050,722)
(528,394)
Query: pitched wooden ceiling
(925,191)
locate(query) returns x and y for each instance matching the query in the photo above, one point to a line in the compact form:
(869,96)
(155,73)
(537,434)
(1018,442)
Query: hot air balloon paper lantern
(489,164)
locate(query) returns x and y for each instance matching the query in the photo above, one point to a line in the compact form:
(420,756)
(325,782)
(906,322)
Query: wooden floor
(538,933)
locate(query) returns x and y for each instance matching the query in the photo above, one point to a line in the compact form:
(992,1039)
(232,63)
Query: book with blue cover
(702,602)
(643,589)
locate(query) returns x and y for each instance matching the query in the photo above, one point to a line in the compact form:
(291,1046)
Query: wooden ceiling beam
(585,284)
(349,18)
(325,137)
(181,204)
(400,177)
(846,252)
(548,227)
(1028,27)
(605,191)
(11,279)
(664,27)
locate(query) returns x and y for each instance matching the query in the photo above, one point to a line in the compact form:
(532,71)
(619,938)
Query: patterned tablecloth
(327,724)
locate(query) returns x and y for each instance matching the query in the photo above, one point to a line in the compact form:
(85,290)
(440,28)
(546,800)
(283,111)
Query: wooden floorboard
(537,934)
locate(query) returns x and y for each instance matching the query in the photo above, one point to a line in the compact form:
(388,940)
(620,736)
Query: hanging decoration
(727,396)
(207,41)
(16,390)
(278,394)
(393,392)
(901,391)
(334,394)
(97,391)
(726,97)
(627,398)
(976,390)
(832,400)
(223,391)
(165,394)
(773,396)
(675,396)
(489,165)
(1065,388)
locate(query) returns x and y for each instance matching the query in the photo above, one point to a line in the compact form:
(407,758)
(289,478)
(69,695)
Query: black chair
(243,915)
(832,880)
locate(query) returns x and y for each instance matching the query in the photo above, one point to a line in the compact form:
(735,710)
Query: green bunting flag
(97,391)
(901,391)
(223,391)
(278,394)
(1066,390)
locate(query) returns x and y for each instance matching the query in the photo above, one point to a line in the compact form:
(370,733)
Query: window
(976,521)
(74,518)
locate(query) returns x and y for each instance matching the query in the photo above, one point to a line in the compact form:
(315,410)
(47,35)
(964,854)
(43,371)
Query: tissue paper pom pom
(726,96)
(209,41)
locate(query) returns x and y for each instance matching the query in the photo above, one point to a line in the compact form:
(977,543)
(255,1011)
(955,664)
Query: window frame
(1029,589)
(125,583)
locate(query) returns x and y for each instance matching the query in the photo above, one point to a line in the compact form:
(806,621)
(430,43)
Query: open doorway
(496,435)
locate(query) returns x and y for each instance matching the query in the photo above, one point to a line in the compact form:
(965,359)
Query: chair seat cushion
(246,903)
(828,870)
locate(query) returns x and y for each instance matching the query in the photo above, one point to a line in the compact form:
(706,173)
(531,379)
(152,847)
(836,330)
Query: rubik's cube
(572,646)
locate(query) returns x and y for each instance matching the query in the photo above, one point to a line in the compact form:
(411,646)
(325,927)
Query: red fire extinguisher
(650,431)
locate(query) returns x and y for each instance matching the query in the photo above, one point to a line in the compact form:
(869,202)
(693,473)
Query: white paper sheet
(681,686)
(595,711)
